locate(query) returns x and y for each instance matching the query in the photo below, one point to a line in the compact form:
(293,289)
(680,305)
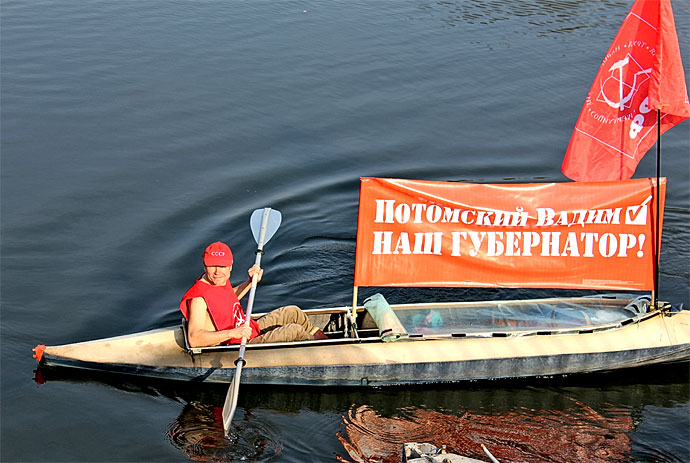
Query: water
(135,133)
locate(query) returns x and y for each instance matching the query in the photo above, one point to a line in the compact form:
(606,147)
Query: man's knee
(290,309)
(291,313)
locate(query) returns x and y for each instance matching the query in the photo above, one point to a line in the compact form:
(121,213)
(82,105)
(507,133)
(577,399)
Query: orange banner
(552,235)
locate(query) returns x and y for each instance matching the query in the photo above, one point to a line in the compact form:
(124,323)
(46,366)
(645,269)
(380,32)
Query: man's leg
(284,316)
(288,333)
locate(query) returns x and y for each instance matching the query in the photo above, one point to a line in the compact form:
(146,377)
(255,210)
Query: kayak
(412,344)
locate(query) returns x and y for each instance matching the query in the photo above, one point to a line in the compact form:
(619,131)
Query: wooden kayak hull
(657,338)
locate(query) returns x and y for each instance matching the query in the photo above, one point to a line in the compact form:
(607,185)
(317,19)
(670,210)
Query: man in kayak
(214,314)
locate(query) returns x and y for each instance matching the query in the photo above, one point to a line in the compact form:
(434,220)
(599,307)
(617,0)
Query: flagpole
(655,293)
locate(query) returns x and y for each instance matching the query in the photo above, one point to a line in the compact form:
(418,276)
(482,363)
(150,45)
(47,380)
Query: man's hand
(255,270)
(242,331)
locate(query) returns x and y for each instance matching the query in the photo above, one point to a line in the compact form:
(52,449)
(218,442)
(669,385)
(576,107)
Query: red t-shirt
(223,306)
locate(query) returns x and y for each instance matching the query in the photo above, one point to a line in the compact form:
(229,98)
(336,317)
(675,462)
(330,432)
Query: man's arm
(242,289)
(200,330)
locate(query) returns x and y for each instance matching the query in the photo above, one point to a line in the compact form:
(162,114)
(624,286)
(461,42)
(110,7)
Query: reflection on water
(198,433)
(604,417)
(575,434)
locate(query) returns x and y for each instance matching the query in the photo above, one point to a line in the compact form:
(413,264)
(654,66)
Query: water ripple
(653,453)
(198,433)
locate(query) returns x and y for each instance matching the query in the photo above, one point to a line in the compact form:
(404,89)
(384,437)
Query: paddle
(264,223)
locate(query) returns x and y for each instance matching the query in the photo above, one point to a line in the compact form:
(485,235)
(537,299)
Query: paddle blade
(273,220)
(231,399)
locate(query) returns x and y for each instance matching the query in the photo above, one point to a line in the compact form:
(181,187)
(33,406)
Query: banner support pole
(657,238)
(352,316)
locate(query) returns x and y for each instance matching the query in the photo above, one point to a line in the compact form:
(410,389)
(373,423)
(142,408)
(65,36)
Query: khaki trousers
(285,324)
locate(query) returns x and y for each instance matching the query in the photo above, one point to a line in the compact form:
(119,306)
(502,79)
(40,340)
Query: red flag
(641,73)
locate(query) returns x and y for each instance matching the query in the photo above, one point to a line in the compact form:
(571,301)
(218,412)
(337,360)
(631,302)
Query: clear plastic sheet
(544,314)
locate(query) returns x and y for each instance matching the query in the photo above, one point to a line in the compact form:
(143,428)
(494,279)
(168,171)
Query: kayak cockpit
(378,321)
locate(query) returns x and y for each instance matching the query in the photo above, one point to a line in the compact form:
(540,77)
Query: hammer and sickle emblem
(623,98)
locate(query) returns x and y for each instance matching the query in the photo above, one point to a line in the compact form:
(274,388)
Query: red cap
(218,254)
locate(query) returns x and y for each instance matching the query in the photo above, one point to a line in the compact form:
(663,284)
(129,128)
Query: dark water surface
(135,133)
